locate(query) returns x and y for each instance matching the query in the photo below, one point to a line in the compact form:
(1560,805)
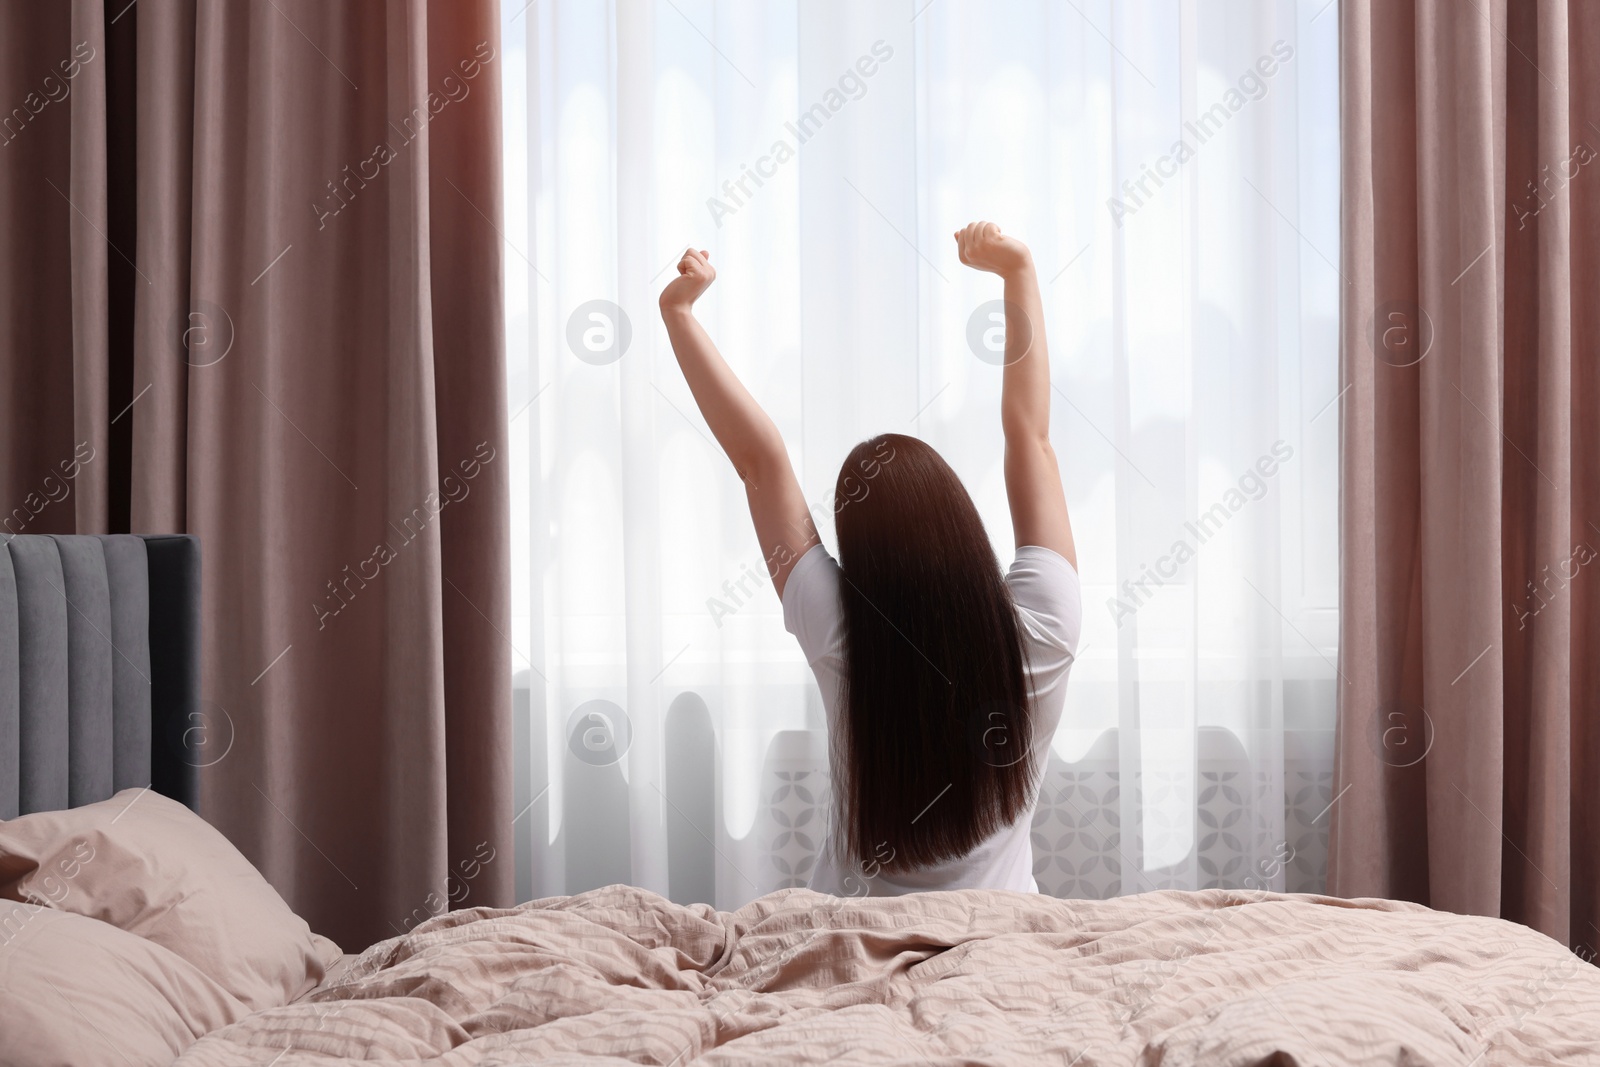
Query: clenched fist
(695,275)
(983,246)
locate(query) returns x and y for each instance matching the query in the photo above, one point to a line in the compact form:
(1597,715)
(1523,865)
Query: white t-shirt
(1049,606)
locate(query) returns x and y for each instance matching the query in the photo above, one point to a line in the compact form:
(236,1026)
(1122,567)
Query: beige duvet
(620,975)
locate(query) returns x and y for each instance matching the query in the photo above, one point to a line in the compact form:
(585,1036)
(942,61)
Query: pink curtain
(251,290)
(1468,750)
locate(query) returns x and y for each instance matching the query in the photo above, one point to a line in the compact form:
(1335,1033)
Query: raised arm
(745,432)
(1033,480)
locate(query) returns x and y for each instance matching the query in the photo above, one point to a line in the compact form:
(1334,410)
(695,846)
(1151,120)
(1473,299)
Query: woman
(943,681)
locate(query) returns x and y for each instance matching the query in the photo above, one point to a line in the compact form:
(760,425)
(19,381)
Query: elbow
(1025,429)
(762,458)
(1030,444)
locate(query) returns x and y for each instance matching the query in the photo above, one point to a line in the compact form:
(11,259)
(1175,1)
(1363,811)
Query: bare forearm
(745,432)
(1025,390)
(1033,481)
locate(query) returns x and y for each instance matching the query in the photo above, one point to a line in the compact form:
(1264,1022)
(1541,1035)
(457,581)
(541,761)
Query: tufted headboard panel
(99,668)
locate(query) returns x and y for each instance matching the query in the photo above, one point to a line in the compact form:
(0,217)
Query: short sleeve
(1045,588)
(811,607)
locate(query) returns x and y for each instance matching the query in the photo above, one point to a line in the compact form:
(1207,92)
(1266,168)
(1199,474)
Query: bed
(620,975)
(1170,978)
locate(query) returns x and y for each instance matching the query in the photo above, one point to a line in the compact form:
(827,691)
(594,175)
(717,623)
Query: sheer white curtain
(1173,165)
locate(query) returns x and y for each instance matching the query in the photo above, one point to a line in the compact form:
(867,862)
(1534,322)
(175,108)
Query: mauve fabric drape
(263,305)
(1468,754)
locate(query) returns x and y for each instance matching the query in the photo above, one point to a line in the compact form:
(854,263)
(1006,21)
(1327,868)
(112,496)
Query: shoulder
(811,607)
(814,574)
(1048,595)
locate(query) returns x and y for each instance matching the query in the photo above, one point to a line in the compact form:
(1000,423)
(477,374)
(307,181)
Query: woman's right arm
(749,437)
(1033,479)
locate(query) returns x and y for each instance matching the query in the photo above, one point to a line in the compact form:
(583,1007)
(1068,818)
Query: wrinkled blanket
(1216,977)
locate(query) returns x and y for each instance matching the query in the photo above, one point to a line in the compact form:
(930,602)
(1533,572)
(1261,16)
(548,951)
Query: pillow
(74,991)
(146,864)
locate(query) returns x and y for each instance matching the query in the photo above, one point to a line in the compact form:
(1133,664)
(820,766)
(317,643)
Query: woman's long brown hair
(933,754)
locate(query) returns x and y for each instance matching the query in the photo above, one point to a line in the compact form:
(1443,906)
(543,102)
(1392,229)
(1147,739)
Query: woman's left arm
(746,433)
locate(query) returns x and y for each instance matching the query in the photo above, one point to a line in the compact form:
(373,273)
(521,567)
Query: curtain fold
(1472,223)
(42,459)
(311,379)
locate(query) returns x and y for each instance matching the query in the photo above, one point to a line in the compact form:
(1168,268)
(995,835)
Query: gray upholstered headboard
(99,668)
